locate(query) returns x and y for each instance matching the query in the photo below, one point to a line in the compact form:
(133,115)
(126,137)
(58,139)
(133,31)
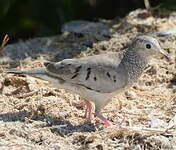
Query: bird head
(147,46)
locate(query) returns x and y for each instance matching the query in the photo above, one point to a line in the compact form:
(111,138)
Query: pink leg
(89,108)
(89,112)
(106,122)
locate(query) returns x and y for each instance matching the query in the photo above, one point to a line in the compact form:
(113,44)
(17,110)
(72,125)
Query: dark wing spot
(74,76)
(88,69)
(89,88)
(88,73)
(95,78)
(108,74)
(76,72)
(114,78)
(92,89)
(78,69)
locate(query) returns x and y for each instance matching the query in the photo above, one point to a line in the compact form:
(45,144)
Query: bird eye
(148,46)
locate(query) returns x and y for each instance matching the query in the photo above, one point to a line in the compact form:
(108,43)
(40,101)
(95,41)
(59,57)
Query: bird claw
(108,123)
(105,121)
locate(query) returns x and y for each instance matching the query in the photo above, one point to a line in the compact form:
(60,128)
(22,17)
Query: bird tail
(38,72)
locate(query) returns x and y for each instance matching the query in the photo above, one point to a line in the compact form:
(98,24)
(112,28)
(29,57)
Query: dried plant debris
(4,42)
(34,115)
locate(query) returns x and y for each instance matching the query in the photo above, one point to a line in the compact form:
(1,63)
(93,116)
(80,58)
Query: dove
(100,77)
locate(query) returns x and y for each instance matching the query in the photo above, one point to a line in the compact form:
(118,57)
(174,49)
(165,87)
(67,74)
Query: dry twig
(147,4)
(27,94)
(4,42)
(149,130)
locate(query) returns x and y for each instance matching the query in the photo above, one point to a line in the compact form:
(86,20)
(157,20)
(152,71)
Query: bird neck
(134,64)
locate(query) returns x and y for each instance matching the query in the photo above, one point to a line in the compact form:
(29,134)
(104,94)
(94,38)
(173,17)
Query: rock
(87,28)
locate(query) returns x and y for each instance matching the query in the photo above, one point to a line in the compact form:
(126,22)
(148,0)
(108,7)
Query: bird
(100,77)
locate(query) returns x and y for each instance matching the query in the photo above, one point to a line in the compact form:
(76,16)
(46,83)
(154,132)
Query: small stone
(130,94)
(158,123)
(56,147)
(137,147)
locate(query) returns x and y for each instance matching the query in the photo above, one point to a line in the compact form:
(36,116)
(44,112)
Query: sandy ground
(35,115)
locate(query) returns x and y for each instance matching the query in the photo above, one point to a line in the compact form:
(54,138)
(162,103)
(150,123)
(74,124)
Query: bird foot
(89,108)
(108,123)
(89,112)
(105,121)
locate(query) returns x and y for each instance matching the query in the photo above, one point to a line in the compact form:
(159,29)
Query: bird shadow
(59,125)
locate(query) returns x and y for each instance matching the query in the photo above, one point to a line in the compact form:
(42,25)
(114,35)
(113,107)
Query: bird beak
(163,53)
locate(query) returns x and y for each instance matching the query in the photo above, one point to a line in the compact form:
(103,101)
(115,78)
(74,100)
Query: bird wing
(102,73)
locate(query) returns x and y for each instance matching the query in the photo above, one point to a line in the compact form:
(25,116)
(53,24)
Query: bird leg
(106,122)
(89,108)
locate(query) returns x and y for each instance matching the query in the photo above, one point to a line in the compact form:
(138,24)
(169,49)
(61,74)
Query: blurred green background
(23,19)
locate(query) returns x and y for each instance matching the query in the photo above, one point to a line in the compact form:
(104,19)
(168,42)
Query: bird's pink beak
(163,53)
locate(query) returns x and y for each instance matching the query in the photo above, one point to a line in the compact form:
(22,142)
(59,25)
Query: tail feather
(38,72)
(27,71)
